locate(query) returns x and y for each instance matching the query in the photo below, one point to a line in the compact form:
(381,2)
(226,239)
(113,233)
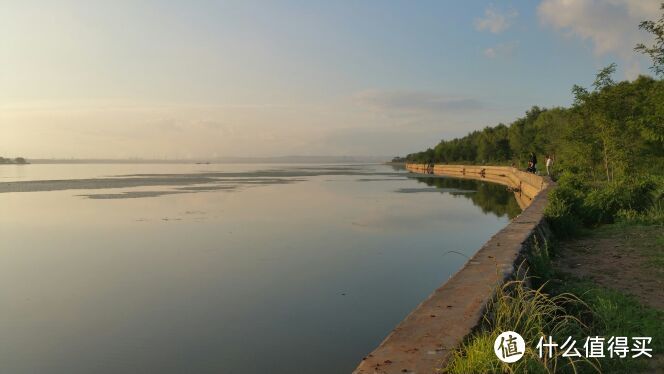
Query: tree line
(608,147)
(17,160)
(615,129)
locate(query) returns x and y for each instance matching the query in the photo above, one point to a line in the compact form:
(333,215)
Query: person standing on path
(549,163)
(532,163)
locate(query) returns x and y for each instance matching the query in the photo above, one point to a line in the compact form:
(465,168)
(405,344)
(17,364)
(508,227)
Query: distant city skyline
(209,79)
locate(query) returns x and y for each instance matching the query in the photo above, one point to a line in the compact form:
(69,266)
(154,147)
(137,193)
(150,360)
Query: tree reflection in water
(490,197)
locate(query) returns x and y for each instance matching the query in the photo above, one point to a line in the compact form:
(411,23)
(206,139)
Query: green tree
(602,123)
(655,51)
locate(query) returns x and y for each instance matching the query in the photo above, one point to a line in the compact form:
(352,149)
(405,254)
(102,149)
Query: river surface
(177,268)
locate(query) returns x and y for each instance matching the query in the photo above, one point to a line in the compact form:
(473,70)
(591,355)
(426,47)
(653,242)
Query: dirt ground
(625,258)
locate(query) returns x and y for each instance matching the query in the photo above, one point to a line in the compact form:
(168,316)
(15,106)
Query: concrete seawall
(425,339)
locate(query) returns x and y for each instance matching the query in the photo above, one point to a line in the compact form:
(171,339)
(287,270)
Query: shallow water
(223,268)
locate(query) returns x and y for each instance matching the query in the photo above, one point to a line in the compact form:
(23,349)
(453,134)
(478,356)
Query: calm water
(223,268)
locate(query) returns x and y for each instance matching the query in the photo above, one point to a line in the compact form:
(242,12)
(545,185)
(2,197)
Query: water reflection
(398,167)
(490,197)
(294,267)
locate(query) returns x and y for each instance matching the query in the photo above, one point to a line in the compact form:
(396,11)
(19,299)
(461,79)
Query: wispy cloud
(610,25)
(495,21)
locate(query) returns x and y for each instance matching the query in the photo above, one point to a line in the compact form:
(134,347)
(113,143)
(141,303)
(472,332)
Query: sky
(205,79)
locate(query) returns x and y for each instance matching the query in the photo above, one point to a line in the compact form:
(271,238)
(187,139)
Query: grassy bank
(561,304)
(604,276)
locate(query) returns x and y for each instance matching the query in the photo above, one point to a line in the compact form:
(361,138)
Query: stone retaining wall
(424,340)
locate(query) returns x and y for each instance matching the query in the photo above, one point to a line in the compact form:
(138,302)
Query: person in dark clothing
(532,163)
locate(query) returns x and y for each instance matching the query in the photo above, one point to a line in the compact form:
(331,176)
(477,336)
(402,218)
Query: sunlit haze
(205,79)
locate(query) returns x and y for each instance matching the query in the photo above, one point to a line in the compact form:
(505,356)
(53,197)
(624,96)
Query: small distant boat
(203,163)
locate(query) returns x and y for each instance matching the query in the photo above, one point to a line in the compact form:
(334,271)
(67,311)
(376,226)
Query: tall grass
(618,314)
(653,215)
(531,313)
(539,261)
(558,312)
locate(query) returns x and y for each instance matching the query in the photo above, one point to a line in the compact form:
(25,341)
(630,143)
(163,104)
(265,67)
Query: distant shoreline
(13,161)
(228,160)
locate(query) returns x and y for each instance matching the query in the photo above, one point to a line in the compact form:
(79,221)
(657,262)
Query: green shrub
(653,214)
(601,205)
(562,211)
(574,203)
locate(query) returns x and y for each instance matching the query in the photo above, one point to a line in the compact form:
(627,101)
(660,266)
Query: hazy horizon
(229,159)
(207,79)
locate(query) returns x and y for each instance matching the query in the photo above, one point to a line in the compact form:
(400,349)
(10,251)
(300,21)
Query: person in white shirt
(549,163)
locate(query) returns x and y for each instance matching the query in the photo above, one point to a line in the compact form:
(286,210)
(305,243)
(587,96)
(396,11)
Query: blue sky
(219,78)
